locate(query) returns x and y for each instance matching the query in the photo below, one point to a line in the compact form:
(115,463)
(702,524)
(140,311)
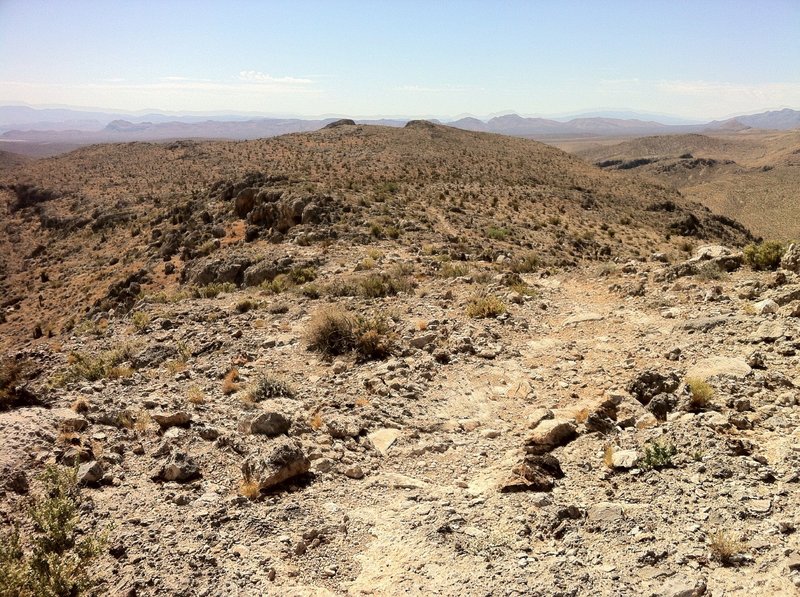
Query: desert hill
(474,194)
(751,176)
(391,361)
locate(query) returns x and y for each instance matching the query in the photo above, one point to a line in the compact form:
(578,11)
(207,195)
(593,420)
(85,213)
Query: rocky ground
(506,455)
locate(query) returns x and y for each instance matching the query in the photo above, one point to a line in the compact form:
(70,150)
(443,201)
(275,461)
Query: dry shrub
(331,331)
(195,395)
(13,373)
(484,306)
(700,393)
(229,385)
(315,421)
(249,488)
(724,546)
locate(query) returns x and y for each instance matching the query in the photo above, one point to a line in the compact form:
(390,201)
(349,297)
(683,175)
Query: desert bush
(710,271)
(53,560)
(724,546)
(658,455)
(525,263)
(451,269)
(245,305)
(333,331)
(266,387)
(765,255)
(483,306)
(496,233)
(94,367)
(140,320)
(700,393)
(311,291)
(12,374)
(302,275)
(212,290)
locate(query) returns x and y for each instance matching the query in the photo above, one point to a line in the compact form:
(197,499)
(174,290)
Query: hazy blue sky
(696,59)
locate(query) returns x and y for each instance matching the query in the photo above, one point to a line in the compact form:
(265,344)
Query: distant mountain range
(48,131)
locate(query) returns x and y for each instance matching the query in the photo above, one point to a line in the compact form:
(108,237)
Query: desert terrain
(417,360)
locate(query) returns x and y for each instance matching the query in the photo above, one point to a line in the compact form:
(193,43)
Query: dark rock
(179,467)
(662,404)
(339,123)
(534,473)
(651,383)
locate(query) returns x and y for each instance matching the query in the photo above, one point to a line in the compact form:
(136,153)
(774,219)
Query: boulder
(165,420)
(90,473)
(284,460)
(550,434)
(719,366)
(624,458)
(766,307)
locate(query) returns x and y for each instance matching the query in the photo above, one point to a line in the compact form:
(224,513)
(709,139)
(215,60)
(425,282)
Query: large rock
(550,434)
(178,418)
(284,460)
(719,367)
(203,272)
(245,201)
(769,331)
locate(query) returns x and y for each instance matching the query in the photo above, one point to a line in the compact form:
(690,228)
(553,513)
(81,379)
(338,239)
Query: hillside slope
(97,215)
(751,176)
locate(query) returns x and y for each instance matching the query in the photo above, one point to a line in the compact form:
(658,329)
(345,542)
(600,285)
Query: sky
(694,59)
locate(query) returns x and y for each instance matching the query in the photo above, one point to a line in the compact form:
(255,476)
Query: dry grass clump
(249,488)
(195,395)
(93,367)
(525,264)
(484,306)
(333,331)
(700,393)
(229,382)
(725,546)
(450,269)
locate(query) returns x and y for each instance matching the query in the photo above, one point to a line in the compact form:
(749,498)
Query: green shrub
(765,255)
(94,367)
(658,455)
(496,233)
(212,290)
(54,559)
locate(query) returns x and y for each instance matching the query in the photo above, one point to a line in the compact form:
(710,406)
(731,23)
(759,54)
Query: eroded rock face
(179,467)
(282,460)
(219,270)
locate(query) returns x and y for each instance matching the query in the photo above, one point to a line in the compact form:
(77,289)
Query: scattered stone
(90,473)
(624,459)
(766,307)
(166,420)
(382,439)
(354,472)
(269,423)
(179,467)
(537,472)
